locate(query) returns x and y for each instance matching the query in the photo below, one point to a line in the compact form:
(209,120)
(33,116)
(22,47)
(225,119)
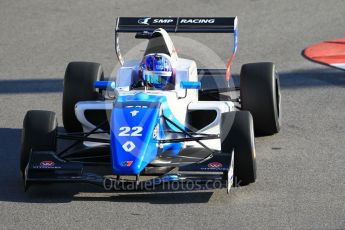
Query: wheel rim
(278,98)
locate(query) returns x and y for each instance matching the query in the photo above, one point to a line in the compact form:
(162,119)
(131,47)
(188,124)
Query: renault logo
(128,146)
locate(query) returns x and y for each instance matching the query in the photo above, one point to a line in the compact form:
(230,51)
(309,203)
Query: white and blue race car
(154,123)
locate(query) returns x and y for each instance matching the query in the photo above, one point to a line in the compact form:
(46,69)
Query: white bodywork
(180,101)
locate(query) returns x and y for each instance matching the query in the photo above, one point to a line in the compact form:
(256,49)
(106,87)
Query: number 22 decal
(134,131)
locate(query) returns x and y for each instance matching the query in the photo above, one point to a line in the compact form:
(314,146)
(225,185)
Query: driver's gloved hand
(138,85)
(141,85)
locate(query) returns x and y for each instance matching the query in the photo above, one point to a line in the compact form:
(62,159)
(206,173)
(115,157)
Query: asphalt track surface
(301,171)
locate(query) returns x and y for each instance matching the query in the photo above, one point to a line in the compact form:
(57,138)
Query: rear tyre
(260,94)
(79,83)
(237,133)
(39,133)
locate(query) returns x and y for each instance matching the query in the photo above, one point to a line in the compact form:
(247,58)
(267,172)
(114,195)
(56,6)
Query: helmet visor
(159,78)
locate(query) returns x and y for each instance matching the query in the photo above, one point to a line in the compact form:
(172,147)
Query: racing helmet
(156,70)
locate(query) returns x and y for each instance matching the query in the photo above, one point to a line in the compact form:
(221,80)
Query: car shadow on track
(12,189)
(43,85)
(155,198)
(310,78)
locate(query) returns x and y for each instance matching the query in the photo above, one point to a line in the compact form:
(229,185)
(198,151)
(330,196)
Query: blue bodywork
(136,126)
(190,85)
(105,84)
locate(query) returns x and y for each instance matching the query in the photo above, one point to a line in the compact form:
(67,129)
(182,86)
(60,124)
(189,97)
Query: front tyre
(39,133)
(237,133)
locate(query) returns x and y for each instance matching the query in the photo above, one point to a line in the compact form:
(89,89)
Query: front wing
(217,169)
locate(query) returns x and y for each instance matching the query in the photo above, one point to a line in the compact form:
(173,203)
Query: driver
(156,72)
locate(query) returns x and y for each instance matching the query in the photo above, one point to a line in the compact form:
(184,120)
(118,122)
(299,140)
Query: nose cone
(133,143)
(141,96)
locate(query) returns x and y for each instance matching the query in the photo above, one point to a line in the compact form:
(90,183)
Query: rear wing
(177,25)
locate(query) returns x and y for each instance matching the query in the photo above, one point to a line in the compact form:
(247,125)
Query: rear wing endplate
(177,25)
